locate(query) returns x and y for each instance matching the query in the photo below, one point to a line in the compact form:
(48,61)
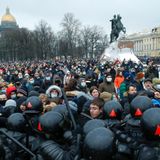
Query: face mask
(142,79)
(109,79)
(83,84)
(120,73)
(53,95)
(13,96)
(8,73)
(48,78)
(84,73)
(20,77)
(3,91)
(32,81)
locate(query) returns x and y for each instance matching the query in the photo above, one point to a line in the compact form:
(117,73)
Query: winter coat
(106,87)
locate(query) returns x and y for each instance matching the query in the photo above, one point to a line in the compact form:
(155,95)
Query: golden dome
(8,17)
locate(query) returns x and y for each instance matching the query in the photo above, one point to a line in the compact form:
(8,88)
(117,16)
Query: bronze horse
(116,29)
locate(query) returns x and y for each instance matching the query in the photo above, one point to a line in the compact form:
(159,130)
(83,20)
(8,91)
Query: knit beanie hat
(33,93)
(147,80)
(9,90)
(10,102)
(22,90)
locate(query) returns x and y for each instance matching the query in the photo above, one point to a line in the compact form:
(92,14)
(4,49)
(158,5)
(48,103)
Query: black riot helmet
(51,122)
(147,153)
(16,122)
(139,104)
(61,108)
(112,110)
(34,103)
(92,124)
(150,123)
(99,144)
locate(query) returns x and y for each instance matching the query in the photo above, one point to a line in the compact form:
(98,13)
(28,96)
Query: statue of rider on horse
(117,27)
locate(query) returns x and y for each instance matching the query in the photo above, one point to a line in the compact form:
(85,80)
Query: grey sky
(137,15)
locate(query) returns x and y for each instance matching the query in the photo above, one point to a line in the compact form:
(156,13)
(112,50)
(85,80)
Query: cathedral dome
(8,22)
(8,17)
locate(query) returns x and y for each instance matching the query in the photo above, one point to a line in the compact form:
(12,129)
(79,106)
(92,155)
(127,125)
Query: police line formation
(79,110)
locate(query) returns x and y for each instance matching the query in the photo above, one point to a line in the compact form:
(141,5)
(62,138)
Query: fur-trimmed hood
(56,88)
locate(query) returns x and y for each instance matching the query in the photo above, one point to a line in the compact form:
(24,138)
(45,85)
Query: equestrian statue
(117,27)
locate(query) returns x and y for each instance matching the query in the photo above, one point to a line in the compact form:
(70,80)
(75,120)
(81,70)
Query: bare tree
(85,40)
(43,43)
(70,29)
(44,40)
(16,44)
(24,44)
(96,34)
(102,44)
(92,39)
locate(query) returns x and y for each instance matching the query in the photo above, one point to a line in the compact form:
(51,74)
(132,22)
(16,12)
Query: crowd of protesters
(79,109)
(145,59)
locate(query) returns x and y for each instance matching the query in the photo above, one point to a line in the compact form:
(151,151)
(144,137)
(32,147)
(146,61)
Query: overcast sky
(137,15)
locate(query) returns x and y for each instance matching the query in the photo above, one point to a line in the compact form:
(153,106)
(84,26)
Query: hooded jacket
(55,88)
